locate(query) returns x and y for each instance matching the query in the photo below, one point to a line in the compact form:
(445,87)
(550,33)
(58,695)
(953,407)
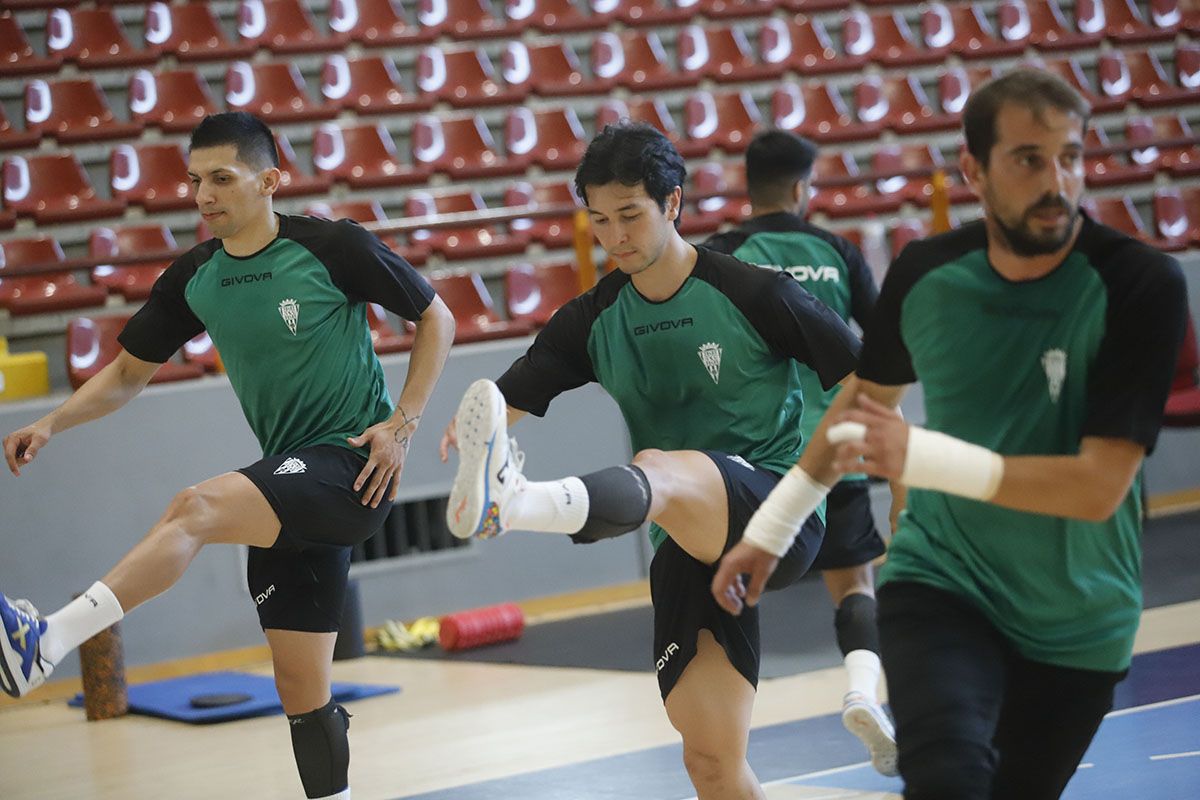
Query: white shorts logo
(671,650)
(742,461)
(291,467)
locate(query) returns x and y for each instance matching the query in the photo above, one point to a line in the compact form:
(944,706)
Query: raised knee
(189,506)
(649,458)
(704,764)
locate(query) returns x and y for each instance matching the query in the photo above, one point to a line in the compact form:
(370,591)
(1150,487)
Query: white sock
(344,794)
(864,668)
(79,620)
(548,507)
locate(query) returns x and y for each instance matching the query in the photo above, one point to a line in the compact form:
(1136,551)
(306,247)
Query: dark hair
(632,153)
(775,161)
(1032,88)
(250,135)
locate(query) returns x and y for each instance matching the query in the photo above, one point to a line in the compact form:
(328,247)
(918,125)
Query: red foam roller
(481,626)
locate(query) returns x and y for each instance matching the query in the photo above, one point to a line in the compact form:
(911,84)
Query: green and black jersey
(1031,368)
(714,367)
(290,324)
(825,264)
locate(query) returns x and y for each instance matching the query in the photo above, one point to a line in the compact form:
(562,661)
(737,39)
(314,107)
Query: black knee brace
(855,624)
(322,749)
(618,502)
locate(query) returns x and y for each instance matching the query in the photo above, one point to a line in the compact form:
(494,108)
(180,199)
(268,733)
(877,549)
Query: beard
(1022,238)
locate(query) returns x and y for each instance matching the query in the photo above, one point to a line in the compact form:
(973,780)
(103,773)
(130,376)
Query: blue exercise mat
(171,699)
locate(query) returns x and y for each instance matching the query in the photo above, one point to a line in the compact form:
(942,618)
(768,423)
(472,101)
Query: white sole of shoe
(860,720)
(482,430)
(13,683)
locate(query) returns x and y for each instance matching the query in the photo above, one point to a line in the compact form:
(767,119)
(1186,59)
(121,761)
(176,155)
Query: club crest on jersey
(710,355)
(1054,361)
(290,311)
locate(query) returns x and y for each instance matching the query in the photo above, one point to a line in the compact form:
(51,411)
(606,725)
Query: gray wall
(95,490)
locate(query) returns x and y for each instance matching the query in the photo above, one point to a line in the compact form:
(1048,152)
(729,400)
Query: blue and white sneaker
(871,724)
(489,465)
(22,668)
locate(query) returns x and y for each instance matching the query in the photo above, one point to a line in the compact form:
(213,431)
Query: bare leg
(845,581)
(688,499)
(710,707)
(228,508)
(303,665)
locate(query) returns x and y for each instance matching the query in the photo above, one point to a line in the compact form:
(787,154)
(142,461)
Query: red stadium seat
(812,6)
(719,190)
(469,301)
(899,104)
(1187,65)
(652,111)
(384,338)
(727,121)
(800,44)
(458,146)
(643,12)
(12,138)
(153,176)
(368,85)
(461,20)
(1169,14)
(1191,202)
(550,16)
(173,100)
(274,91)
(839,189)
(460,77)
(1069,69)
(1150,85)
(92,345)
(889,162)
(547,69)
(905,231)
(635,60)
(17,56)
(1116,212)
(955,85)
(550,231)
(190,32)
(1040,23)
(365,211)
(376,23)
(93,38)
(134,281)
(884,38)
(722,54)
(817,111)
(1104,167)
(53,187)
(283,26)
(201,351)
(552,138)
(73,110)
(1181,158)
(45,292)
(294,180)
(1183,403)
(475,241)
(1171,223)
(364,156)
(731,9)
(963,30)
(1119,20)
(1135,77)
(533,294)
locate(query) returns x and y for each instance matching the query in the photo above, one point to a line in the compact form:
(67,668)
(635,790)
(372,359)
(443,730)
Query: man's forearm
(109,389)
(431,346)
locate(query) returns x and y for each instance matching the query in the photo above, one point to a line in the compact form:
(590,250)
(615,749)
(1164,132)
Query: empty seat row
(94,37)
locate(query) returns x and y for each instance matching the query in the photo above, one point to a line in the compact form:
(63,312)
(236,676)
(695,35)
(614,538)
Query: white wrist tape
(946,464)
(776,522)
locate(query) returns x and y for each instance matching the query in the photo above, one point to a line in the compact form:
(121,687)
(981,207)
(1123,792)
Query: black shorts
(851,537)
(299,583)
(680,586)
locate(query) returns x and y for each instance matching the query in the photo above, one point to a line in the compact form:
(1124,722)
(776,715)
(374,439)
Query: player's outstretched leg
(22,667)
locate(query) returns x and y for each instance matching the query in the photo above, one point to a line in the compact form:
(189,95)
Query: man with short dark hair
(1046,345)
(702,354)
(776,235)
(294,341)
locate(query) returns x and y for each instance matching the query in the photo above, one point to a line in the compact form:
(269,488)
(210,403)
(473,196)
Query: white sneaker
(489,464)
(22,668)
(870,723)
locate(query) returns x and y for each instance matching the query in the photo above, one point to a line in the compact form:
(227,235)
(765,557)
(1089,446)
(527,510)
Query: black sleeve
(556,362)
(797,325)
(1135,365)
(725,242)
(368,271)
(166,321)
(863,292)
(885,358)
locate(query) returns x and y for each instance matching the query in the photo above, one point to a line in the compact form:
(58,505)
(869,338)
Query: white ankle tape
(945,464)
(776,522)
